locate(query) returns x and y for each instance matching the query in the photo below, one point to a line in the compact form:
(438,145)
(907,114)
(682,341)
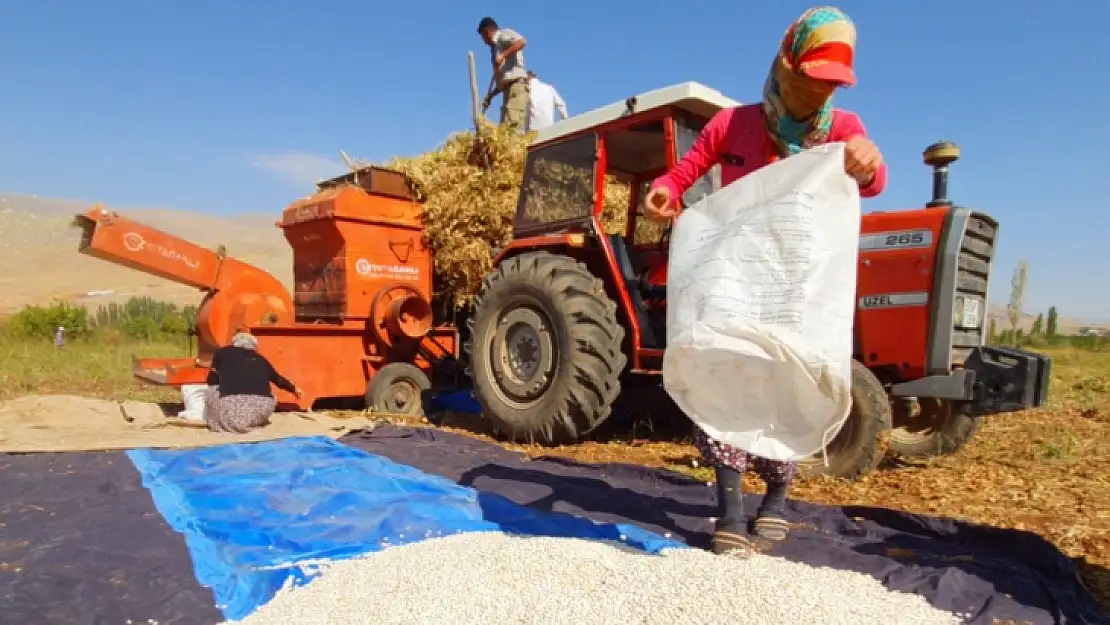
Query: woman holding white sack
(796,113)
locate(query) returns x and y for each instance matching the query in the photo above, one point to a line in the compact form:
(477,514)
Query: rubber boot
(770,520)
(774,503)
(731,531)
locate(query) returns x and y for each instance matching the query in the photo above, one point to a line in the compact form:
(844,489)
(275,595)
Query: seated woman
(239,396)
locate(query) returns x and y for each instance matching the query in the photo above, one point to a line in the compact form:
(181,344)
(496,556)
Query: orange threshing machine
(359,323)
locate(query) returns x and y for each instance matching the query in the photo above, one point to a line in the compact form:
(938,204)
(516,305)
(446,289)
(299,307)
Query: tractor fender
(554,243)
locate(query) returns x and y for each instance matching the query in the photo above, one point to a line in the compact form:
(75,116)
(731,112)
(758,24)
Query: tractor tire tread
(951,437)
(870,433)
(583,391)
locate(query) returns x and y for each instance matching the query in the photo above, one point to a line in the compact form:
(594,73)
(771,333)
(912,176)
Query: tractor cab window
(637,150)
(558,188)
(686,132)
(638,153)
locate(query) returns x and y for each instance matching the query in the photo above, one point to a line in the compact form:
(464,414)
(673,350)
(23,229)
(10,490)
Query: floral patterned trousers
(237,413)
(772,472)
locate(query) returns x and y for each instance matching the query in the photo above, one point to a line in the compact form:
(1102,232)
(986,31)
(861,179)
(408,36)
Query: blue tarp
(249,513)
(457,401)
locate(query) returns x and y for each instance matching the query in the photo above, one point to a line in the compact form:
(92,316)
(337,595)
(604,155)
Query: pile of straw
(469,210)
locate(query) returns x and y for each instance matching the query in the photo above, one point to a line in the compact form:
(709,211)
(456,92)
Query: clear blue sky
(237,106)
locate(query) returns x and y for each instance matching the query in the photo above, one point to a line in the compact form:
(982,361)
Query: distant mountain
(1064,325)
(39,260)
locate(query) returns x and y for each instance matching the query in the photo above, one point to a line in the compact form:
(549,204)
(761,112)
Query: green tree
(1038,326)
(1017,295)
(992,331)
(1051,322)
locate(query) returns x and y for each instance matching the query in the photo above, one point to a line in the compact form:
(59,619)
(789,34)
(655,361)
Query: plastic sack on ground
(761,297)
(192,395)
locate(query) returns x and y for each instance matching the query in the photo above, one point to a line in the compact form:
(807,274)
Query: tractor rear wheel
(398,388)
(861,444)
(939,428)
(545,349)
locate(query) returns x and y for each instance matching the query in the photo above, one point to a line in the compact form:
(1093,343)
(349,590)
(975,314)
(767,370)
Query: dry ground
(1046,471)
(39,260)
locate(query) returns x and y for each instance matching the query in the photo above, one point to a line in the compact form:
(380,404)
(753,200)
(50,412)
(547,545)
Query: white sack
(192,395)
(761,297)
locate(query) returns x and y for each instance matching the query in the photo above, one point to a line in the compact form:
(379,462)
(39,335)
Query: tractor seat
(631,267)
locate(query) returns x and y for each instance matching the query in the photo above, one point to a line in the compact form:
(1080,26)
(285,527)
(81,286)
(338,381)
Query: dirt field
(39,260)
(1046,471)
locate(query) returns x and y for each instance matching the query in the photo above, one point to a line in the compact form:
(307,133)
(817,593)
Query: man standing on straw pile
(509,76)
(543,102)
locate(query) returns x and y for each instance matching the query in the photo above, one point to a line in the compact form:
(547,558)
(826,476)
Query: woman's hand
(658,205)
(298,392)
(862,159)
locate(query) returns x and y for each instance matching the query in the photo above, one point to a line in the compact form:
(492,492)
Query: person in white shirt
(543,104)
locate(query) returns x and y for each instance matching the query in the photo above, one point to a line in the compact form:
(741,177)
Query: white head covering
(244,340)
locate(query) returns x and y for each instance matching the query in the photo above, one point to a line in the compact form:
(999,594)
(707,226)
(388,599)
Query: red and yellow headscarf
(819,45)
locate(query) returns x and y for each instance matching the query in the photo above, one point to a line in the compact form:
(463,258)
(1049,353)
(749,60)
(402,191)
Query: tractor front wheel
(861,443)
(545,349)
(938,428)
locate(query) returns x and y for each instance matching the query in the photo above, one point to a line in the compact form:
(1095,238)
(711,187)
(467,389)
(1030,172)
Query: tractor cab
(574,308)
(574,166)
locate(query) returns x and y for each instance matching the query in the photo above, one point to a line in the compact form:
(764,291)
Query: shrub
(43,321)
(139,318)
(1091,343)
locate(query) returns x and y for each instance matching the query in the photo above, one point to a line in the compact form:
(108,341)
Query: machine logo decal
(134,242)
(903,240)
(893,300)
(395,272)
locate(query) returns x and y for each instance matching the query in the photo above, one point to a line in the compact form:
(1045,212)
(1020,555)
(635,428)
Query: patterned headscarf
(820,44)
(245,341)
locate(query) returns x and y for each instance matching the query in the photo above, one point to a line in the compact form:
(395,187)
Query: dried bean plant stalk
(469,209)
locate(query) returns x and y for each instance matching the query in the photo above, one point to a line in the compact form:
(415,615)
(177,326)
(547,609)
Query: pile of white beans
(489,577)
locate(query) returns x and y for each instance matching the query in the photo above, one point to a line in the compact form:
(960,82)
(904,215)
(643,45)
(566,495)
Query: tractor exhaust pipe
(939,156)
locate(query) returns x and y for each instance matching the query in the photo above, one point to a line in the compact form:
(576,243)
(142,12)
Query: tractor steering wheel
(664,242)
(662,245)
(665,239)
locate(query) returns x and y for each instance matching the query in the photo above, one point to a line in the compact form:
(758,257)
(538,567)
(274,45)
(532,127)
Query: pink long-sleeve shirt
(736,139)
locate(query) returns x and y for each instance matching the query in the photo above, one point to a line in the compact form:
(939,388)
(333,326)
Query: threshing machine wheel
(862,441)
(545,349)
(398,388)
(939,428)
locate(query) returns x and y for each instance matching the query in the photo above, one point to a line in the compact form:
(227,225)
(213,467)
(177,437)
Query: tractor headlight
(968,314)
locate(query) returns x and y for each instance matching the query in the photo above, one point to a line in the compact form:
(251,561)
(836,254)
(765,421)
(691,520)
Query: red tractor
(570,313)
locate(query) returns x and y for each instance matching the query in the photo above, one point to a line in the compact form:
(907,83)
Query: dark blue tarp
(81,542)
(995,575)
(250,513)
